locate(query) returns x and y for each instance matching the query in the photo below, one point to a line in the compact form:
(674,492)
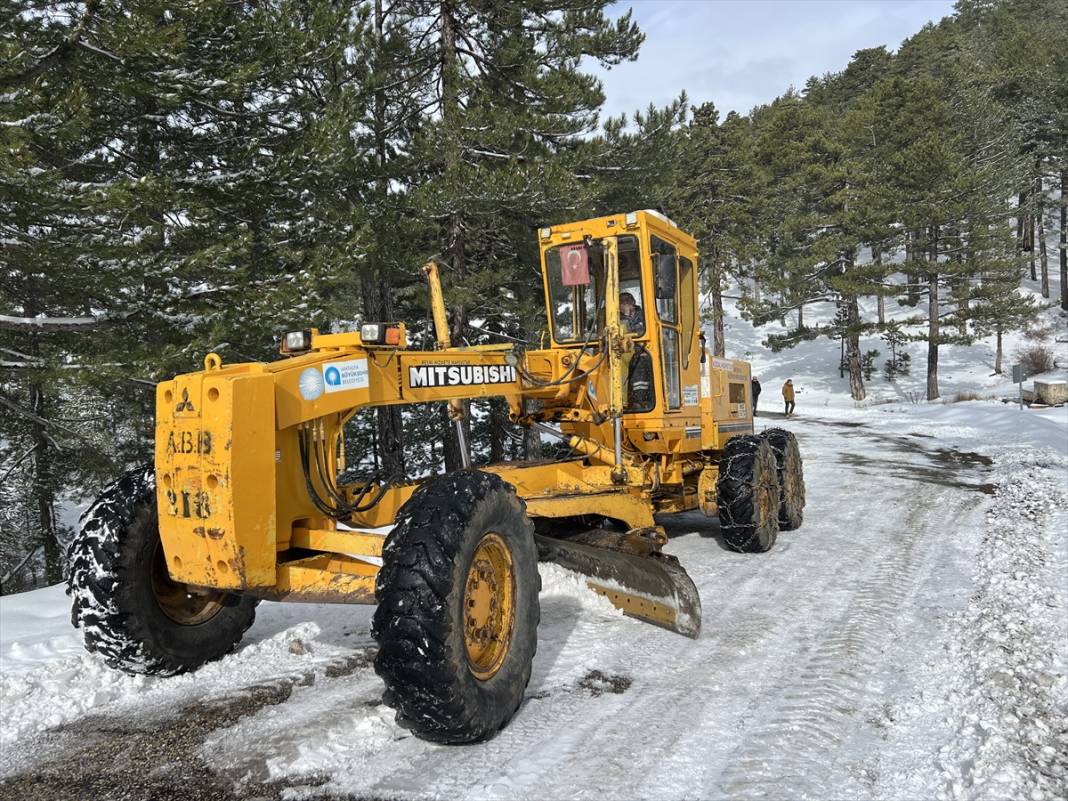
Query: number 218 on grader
(244,501)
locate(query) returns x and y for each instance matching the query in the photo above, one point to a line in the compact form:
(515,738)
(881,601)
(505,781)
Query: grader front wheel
(457,615)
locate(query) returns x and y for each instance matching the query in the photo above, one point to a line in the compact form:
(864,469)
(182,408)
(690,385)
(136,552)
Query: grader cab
(244,502)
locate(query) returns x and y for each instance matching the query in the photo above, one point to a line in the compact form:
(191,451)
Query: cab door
(675,290)
(665,264)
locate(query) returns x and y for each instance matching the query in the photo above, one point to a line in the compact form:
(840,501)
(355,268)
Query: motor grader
(244,502)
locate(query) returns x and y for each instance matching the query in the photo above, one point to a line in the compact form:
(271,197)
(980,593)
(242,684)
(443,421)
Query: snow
(919,651)
(813,365)
(1006,423)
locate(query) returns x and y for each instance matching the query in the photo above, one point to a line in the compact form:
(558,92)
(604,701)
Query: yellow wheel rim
(177,601)
(489,607)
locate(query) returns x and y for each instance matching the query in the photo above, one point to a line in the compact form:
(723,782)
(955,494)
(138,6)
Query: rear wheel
(791,477)
(129,609)
(747,495)
(457,616)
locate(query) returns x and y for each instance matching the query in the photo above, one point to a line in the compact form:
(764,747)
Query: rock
(1051,393)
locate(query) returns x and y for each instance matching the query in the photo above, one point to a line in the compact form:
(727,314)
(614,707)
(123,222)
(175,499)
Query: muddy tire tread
(105,565)
(788,458)
(420,655)
(738,511)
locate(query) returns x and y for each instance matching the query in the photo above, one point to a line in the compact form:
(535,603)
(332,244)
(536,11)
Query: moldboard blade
(650,588)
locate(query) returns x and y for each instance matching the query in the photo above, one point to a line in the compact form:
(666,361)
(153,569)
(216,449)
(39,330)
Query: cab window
(666,289)
(576,276)
(665,274)
(687,307)
(575,293)
(631,297)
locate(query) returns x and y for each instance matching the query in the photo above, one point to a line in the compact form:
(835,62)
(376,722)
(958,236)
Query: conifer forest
(185,178)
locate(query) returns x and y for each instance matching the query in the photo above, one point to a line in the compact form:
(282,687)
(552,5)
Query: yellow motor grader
(244,503)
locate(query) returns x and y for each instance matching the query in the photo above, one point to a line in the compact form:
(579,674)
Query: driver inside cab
(630,314)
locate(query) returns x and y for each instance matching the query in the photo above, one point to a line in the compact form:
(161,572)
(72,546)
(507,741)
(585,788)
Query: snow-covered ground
(969,369)
(909,641)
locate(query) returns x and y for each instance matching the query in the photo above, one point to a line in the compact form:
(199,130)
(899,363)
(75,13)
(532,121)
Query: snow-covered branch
(9,323)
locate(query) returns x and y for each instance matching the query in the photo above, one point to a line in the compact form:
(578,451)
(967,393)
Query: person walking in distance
(788,396)
(756,395)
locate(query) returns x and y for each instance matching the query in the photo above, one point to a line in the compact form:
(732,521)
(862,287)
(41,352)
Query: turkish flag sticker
(574,265)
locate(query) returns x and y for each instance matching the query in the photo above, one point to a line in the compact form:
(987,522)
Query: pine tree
(170,182)
(713,186)
(512,102)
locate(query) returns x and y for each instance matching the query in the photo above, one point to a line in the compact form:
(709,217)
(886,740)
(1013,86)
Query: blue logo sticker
(311,384)
(333,376)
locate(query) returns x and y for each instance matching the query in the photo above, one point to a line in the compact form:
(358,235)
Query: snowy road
(908,641)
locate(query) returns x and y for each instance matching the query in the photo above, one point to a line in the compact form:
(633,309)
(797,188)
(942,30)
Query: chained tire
(129,610)
(791,477)
(748,495)
(457,617)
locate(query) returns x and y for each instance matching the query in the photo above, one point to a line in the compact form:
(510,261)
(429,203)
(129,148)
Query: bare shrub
(1035,359)
(965,396)
(1040,329)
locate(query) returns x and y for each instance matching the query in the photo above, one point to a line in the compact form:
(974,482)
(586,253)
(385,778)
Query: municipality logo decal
(346,375)
(311,384)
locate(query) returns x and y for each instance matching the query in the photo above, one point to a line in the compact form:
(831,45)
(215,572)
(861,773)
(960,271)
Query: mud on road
(154,757)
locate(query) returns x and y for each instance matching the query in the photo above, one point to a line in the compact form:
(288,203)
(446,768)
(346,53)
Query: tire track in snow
(709,689)
(599,732)
(797,740)
(580,734)
(548,748)
(673,767)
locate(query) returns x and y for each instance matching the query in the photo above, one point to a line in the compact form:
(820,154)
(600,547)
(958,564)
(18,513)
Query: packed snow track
(908,641)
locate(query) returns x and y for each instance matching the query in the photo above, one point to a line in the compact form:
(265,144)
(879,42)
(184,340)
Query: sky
(742,53)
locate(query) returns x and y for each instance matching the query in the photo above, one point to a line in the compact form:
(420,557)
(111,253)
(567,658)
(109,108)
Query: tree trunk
(1043,257)
(43,481)
(498,422)
(458,324)
(377,286)
(1021,201)
(998,354)
(912,275)
(1064,239)
(1031,247)
(800,316)
(1037,190)
(880,299)
(856,376)
(1024,236)
(450,447)
(719,345)
(43,489)
(932,324)
(389,425)
(966,249)
(531,437)
(454,246)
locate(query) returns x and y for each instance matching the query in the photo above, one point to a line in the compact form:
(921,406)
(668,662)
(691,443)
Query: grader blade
(652,588)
